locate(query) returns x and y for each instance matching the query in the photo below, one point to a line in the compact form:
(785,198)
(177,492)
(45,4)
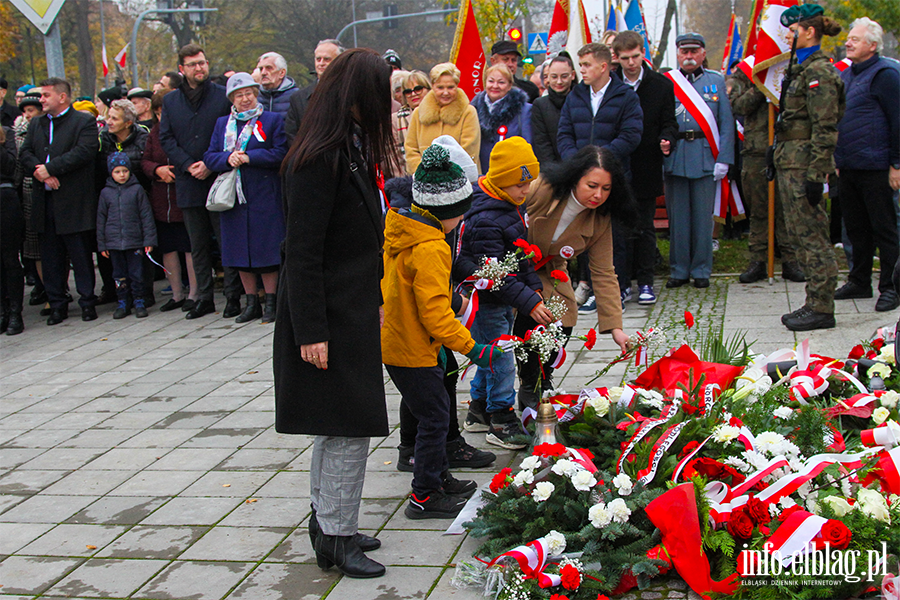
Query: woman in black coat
(327,354)
(545,110)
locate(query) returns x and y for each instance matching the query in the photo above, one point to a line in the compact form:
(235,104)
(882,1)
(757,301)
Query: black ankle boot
(269,311)
(15,326)
(4,316)
(343,552)
(251,311)
(366,543)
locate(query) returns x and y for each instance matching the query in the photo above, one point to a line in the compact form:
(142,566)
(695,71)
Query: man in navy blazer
(601,110)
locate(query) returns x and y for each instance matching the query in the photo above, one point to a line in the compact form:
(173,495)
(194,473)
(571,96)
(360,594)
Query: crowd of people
(356,206)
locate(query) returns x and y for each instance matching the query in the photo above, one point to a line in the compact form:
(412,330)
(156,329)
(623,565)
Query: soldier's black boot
(15,325)
(792,272)
(806,319)
(756,271)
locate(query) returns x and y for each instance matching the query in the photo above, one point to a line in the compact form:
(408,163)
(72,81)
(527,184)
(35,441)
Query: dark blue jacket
(252,232)
(869,132)
(184,133)
(490,228)
(618,124)
(278,100)
(513,111)
(124,217)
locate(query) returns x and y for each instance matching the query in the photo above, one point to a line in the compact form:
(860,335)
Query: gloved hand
(442,359)
(720,171)
(483,354)
(814,192)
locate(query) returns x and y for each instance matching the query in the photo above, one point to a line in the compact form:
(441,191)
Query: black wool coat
(296,109)
(544,126)
(72,155)
(330,290)
(657,96)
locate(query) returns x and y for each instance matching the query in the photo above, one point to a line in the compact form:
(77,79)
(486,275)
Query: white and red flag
(773,49)
(120,57)
(559,28)
(104,60)
(753,27)
(468,53)
(579,32)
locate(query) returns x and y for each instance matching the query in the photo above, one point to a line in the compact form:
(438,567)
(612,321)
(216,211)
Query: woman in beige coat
(569,212)
(445,110)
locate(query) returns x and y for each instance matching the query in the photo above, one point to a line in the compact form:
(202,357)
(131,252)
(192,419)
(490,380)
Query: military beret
(801,12)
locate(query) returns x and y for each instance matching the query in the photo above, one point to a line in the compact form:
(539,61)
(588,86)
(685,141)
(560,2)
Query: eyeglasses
(195,64)
(418,90)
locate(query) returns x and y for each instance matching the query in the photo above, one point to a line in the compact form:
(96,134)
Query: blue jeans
(497,388)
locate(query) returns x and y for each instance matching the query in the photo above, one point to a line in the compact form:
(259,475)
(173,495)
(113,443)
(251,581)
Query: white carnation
(889,399)
(623,483)
(786,502)
(770,442)
(783,412)
(880,415)
(542,491)
(756,459)
(599,516)
(583,480)
(725,433)
(523,478)
(566,467)
(600,404)
(556,542)
(619,510)
(737,463)
(531,463)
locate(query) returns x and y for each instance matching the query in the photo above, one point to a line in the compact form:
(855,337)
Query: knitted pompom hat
(118,159)
(440,186)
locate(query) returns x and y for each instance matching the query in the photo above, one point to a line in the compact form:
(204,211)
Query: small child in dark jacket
(496,220)
(125,231)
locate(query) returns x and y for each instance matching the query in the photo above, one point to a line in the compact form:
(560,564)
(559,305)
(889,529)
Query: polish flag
(468,53)
(120,57)
(773,49)
(559,28)
(105,61)
(753,27)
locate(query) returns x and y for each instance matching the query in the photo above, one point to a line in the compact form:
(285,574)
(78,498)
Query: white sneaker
(582,293)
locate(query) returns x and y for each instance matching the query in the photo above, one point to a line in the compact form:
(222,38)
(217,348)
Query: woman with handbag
(248,145)
(327,347)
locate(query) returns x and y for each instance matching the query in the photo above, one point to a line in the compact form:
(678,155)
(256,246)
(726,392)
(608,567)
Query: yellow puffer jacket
(418,319)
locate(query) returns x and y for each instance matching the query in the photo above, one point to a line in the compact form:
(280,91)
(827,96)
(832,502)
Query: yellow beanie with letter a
(512,162)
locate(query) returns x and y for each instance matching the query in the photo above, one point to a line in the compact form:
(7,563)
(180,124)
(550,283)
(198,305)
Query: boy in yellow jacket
(418,320)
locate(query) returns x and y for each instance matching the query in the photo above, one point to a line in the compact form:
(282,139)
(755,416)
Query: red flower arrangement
(740,525)
(758,510)
(836,533)
(549,450)
(501,480)
(590,339)
(559,275)
(570,576)
(688,319)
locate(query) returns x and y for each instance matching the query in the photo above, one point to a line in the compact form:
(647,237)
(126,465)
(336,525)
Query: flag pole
(771,248)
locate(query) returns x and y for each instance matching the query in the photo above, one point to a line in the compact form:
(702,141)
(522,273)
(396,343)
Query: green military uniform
(750,103)
(814,104)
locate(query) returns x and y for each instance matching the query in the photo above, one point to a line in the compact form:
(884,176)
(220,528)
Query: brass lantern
(545,423)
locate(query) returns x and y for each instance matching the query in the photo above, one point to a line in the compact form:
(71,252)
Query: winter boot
(15,326)
(251,311)
(269,311)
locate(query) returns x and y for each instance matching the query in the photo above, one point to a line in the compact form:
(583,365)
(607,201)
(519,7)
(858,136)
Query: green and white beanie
(440,186)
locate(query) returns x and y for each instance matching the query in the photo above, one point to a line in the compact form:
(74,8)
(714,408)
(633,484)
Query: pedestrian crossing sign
(537,43)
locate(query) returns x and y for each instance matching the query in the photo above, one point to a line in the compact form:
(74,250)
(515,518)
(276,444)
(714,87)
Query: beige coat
(430,121)
(590,232)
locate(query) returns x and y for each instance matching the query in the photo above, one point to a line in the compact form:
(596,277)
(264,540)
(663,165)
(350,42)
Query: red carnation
(758,510)
(856,352)
(739,524)
(735,422)
(537,253)
(570,576)
(836,533)
(878,343)
(688,448)
(590,339)
(523,244)
(559,275)
(688,319)
(549,450)
(501,480)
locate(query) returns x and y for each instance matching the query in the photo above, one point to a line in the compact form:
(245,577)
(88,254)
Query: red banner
(467,53)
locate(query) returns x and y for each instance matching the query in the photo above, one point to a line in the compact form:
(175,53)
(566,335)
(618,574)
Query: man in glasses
(188,118)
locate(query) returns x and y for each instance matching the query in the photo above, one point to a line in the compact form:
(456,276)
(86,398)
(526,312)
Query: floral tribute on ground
(746,475)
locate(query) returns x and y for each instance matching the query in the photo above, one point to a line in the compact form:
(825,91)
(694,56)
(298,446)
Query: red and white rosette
(501,132)
(532,559)
(809,382)
(468,317)
(887,434)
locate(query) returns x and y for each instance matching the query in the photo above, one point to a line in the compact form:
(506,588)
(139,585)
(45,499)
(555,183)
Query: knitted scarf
(235,141)
(492,190)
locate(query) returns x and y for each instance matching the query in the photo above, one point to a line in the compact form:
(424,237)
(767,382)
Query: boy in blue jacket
(496,220)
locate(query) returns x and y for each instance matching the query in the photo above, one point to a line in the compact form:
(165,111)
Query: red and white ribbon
(887,435)
(808,383)
(532,559)
(746,437)
(468,317)
(698,108)
(668,412)
(708,400)
(583,458)
(661,446)
(560,358)
(795,535)
(687,459)
(887,471)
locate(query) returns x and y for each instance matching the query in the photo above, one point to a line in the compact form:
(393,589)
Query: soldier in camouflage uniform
(750,103)
(804,157)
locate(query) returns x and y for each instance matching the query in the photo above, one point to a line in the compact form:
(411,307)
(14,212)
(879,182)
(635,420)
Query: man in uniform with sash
(700,158)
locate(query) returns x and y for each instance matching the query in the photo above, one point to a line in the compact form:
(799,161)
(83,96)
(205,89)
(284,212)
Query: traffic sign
(41,13)
(537,43)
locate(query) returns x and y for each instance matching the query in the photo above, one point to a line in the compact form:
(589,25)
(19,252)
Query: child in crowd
(125,231)
(496,220)
(418,320)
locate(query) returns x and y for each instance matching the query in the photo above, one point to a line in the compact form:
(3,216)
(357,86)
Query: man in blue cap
(699,160)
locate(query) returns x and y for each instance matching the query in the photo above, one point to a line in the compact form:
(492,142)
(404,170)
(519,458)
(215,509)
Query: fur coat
(431,120)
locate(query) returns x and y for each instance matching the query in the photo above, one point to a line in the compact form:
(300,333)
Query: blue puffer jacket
(279,100)
(490,228)
(512,110)
(124,217)
(618,124)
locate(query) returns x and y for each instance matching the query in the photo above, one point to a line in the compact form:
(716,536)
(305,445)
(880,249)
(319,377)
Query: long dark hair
(563,176)
(355,90)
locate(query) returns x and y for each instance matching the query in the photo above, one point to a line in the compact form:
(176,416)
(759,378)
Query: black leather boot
(343,552)
(4,315)
(366,543)
(15,326)
(251,311)
(269,311)
(756,271)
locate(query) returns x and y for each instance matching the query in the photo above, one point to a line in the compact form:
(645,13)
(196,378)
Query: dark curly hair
(563,176)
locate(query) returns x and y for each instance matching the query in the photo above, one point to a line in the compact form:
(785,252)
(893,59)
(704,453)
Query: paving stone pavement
(138,458)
